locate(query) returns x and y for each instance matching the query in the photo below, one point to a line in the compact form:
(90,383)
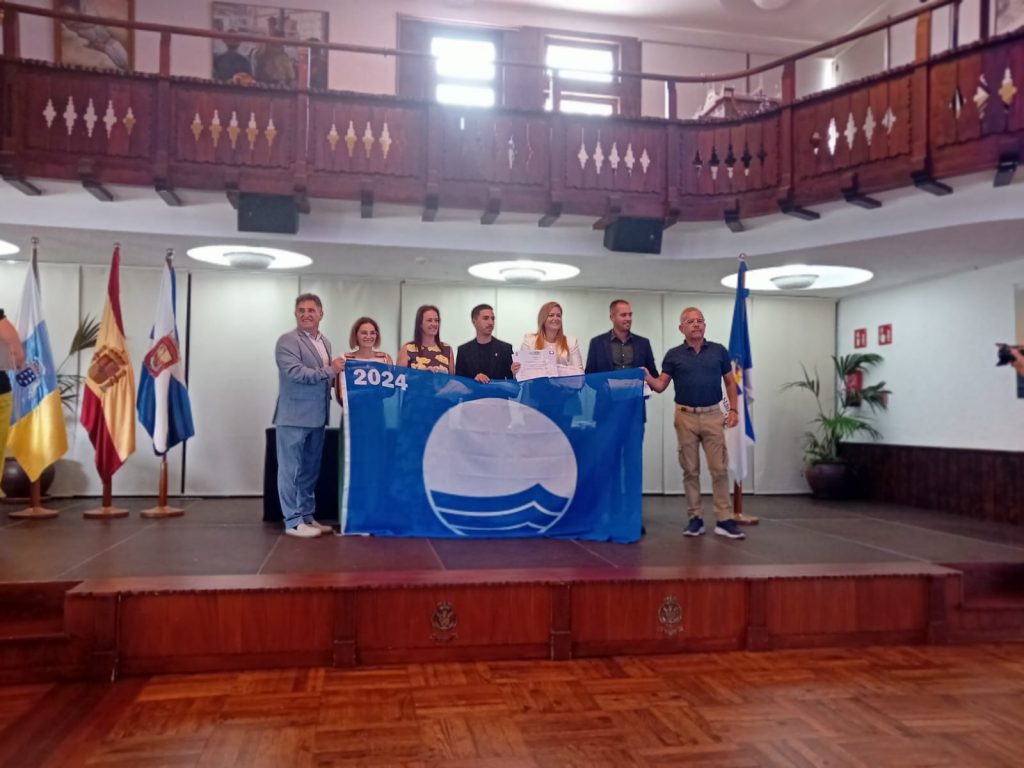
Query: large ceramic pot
(828,480)
(15,482)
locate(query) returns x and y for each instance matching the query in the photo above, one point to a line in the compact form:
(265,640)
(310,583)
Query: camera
(1004,355)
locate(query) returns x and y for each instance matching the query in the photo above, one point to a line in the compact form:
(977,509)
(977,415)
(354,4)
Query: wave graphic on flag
(163,403)
(37,437)
(496,465)
(741,437)
(535,508)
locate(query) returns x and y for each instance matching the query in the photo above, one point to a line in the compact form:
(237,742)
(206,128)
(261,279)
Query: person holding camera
(1017,360)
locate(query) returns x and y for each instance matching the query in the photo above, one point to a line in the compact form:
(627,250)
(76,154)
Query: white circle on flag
(498,467)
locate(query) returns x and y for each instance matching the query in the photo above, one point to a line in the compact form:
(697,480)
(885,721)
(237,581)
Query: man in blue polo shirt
(698,368)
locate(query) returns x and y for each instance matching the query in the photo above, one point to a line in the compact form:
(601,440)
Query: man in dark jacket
(616,350)
(485,357)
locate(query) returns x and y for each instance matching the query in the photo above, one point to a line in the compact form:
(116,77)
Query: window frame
(481,34)
(571,89)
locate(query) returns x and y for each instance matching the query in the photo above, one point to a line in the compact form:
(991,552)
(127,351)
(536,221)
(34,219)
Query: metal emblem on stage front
(444,621)
(670,616)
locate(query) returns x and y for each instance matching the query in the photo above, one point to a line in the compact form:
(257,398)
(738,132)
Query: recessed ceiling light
(523,271)
(8,249)
(249,257)
(800,277)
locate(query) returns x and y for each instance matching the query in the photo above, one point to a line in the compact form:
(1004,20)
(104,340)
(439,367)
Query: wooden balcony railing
(940,116)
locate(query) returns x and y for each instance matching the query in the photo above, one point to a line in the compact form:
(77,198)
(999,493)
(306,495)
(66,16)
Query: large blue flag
(164,408)
(741,437)
(443,456)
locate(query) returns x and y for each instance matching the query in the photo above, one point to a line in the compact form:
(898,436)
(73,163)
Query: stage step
(32,607)
(33,643)
(992,604)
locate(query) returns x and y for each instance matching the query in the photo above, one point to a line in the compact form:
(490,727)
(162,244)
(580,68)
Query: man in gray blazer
(305,372)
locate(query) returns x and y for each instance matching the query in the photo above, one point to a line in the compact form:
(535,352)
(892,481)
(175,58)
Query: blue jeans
(299,450)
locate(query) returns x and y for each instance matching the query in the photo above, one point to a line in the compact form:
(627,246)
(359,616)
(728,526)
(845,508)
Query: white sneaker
(321,527)
(303,531)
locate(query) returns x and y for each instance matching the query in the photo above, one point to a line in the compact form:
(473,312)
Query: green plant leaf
(842,420)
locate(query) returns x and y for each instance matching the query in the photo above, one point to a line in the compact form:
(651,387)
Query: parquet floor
(868,708)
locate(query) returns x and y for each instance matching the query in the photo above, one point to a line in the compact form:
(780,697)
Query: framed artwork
(268,63)
(1009,15)
(95,45)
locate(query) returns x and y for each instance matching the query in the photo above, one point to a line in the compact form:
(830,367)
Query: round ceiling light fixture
(800,277)
(771,5)
(794,282)
(8,249)
(249,257)
(523,271)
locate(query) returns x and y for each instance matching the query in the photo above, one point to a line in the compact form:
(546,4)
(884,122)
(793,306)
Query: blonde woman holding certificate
(549,351)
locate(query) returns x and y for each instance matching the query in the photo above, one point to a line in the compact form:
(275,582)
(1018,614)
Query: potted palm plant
(14,482)
(838,419)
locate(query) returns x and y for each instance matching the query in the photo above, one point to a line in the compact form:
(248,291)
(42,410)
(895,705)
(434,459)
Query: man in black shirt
(485,357)
(9,338)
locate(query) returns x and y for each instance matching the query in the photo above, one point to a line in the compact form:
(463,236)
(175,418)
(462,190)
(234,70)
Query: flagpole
(737,486)
(106,510)
(35,509)
(161,509)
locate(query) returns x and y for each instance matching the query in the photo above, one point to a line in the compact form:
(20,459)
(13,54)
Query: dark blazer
(469,364)
(599,356)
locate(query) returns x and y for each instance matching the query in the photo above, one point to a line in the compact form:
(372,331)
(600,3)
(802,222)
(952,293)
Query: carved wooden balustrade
(941,116)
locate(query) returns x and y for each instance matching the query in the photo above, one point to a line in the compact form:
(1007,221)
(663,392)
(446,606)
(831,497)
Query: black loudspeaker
(634,235)
(267,213)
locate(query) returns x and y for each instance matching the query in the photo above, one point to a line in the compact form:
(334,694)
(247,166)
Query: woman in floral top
(426,352)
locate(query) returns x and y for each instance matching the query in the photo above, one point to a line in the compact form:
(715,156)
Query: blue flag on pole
(163,404)
(443,456)
(741,437)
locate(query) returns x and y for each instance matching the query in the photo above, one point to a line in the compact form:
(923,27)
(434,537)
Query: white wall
(866,57)
(947,390)
(231,321)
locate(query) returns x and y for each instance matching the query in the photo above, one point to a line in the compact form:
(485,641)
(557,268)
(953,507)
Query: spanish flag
(108,402)
(37,437)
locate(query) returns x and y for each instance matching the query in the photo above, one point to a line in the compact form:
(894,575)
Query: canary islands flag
(37,437)
(108,400)
(741,437)
(164,407)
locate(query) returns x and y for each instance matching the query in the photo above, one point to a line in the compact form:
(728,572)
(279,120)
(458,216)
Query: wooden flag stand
(737,507)
(35,510)
(107,511)
(161,509)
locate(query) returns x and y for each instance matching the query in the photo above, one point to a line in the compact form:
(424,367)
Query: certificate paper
(535,363)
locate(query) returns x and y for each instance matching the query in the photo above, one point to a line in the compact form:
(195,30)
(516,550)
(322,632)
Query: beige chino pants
(704,427)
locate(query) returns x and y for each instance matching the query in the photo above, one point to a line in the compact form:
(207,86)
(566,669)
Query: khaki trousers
(707,429)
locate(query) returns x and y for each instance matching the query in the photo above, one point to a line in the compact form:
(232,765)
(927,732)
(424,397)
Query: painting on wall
(1009,15)
(95,45)
(266,62)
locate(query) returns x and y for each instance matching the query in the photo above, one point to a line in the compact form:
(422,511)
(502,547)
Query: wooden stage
(219,590)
